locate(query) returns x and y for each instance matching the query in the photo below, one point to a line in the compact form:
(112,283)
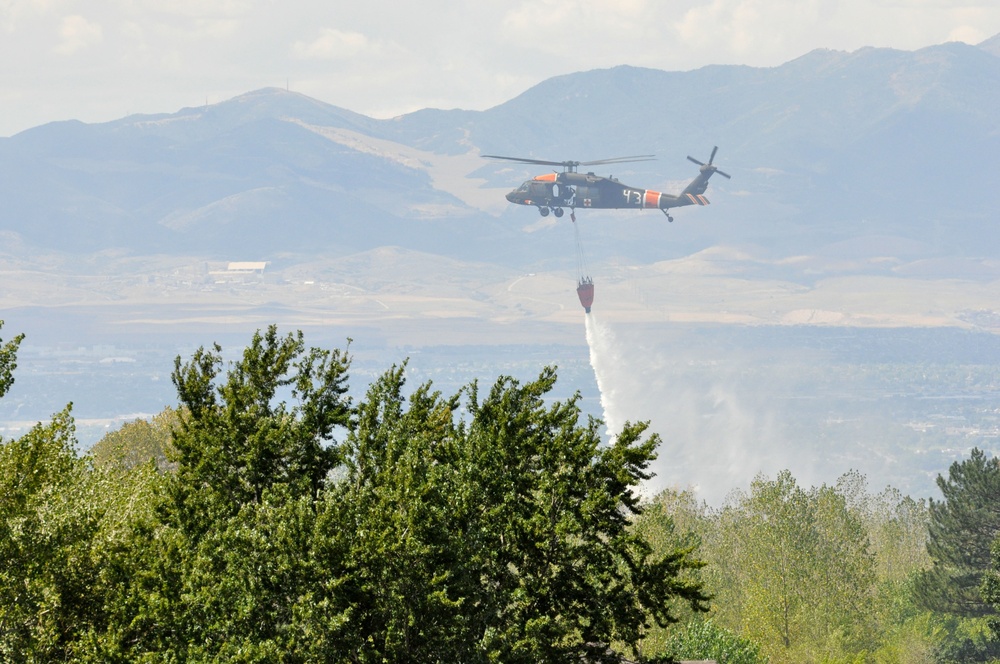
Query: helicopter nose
(512,197)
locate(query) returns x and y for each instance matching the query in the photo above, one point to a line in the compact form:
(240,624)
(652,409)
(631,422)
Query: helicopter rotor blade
(714,150)
(571,164)
(690,158)
(619,160)
(725,175)
(523,160)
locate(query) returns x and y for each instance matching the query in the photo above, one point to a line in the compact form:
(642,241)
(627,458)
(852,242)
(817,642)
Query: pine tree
(962,528)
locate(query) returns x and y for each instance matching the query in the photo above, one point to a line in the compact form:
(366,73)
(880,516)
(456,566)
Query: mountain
(991,45)
(827,151)
(829,146)
(236,176)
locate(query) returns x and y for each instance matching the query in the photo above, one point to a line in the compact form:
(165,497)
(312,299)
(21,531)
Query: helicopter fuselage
(587,190)
(554,191)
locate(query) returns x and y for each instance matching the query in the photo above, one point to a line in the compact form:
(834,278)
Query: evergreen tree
(990,591)
(962,528)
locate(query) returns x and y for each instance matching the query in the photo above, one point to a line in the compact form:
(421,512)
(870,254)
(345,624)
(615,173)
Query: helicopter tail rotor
(709,167)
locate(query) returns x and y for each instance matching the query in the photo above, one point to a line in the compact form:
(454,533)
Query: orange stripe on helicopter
(548,177)
(652,199)
(697,199)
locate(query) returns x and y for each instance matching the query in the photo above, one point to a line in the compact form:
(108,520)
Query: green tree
(897,528)
(962,528)
(66,538)
(793,571)
(503,535)
(990,591)
(232,569)
(138,442)
(838,552)
(398,511)
(44,566)
(8,361)
(673,520)
(236,438)
(124,547)
(566,569)
(705,640)
(296,527)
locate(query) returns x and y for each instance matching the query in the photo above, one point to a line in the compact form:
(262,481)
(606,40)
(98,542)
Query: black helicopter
(569,189)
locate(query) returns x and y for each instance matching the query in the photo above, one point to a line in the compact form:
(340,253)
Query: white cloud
(77,33)
(967,34)
(14,12)
(582,29)
(333,44)
(190,9)
(150,56)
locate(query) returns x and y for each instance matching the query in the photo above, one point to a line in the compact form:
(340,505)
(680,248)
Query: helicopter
(553,192)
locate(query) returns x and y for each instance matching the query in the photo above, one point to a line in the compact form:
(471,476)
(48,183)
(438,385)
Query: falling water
(604,354)
(717,432)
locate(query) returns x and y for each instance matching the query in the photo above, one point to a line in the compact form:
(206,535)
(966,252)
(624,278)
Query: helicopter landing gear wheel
(558,212)
(669,218)
(543,211)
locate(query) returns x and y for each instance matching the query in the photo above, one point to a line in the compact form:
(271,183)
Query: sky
(100,60)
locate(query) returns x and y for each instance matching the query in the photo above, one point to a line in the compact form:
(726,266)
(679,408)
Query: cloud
(201,8)
(333,44)
(148,56)
(967,34)
(77,33)
(581,30)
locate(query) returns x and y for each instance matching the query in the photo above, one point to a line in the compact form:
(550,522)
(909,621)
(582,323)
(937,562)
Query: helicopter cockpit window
(524,187)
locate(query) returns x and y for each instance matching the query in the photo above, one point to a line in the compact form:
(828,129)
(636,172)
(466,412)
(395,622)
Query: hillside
(825,149)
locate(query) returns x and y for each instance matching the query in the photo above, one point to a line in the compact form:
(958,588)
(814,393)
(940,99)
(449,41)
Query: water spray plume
(603,357)
(717,430)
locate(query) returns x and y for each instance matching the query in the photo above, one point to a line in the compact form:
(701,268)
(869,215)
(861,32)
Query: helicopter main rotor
(571,166)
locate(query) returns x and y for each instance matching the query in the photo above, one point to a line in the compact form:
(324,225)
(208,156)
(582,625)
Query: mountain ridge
(829,146)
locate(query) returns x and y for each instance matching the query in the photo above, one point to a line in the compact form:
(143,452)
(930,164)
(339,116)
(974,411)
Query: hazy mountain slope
(824,149)
(827,145)
(247,175)
(822,98)
(992,45)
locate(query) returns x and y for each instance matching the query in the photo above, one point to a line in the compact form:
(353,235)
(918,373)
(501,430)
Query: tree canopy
(292,524)
(961,530)
(270,516)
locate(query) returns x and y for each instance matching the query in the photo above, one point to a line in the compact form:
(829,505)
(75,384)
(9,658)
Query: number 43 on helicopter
(552,192)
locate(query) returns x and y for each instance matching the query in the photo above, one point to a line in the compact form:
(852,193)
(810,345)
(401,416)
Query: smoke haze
(720,422)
